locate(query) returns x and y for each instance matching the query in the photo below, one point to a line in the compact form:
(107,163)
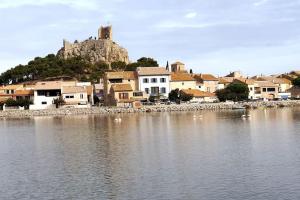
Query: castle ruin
(101,49)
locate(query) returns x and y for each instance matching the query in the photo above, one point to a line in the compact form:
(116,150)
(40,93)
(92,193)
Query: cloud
(79,4)
(191,15)
(260,3)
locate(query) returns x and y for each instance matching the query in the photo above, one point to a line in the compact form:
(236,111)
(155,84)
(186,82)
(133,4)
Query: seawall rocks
(156,108)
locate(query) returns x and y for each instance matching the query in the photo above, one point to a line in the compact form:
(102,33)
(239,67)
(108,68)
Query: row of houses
(126,88)
(43,94)
(132,88)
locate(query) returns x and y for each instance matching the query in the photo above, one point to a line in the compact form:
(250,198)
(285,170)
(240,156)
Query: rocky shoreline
(156,108)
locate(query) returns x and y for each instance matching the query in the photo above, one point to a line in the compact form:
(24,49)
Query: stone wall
(158,108)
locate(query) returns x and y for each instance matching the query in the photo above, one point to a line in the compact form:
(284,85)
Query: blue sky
(215,36)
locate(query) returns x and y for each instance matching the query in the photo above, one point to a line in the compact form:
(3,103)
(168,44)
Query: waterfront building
(17,91)
(154,81)
(206,82)
(200,96)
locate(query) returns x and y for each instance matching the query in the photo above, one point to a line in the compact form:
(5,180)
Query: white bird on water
(118,119)
(197,117)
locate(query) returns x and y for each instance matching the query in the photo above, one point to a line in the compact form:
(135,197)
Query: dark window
(162,80)
(154,90)
(264,89)
(153,80)
(163,90)
(271,89)
(147,90)
(145,80)
(44,103)
(138,94)
(115,80)
(123,96)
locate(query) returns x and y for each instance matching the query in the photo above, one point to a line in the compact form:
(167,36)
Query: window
(123,96)
(153,80)
(154,90)
(163,90)
(40,93)
(264,89)
(7,91)
(182,83)
(145,80)
(12,91)
(44,103)
(162,80)
(138,94)
(81,96)
(271,89)
(147,90)
(70,97)
(208,89)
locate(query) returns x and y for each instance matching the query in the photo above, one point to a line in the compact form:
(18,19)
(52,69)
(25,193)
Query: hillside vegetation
(79,68)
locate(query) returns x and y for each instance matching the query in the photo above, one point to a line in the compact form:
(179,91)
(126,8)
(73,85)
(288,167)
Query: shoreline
(146,109)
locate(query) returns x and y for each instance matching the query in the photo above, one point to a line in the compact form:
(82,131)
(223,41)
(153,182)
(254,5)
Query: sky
(209,36)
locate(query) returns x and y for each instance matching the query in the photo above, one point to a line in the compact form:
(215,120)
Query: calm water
(152,156)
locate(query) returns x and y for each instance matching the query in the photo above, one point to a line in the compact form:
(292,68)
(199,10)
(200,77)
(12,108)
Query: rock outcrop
(103,49)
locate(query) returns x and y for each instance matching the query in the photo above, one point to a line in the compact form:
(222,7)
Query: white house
(154,81)
(45,93)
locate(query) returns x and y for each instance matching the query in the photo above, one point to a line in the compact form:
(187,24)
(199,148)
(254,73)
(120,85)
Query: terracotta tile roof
(11,87)
(247,81)
(121,87)
(224,81)
(198,93)
(48,85)
(148,71)
(181,77)
(265,84)
(205,77)
(274,80)
(73,89)
(24,92)
(129,75)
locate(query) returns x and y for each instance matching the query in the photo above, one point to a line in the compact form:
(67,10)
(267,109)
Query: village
(145,86)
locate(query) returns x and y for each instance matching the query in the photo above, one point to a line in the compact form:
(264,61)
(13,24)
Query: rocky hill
(94,50)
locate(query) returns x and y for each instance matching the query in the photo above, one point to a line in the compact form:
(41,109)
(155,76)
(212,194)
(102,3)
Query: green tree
(296,82)
(234,92)
(185,97)
(174,95)
(118,66)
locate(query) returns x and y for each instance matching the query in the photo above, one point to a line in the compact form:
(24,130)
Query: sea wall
(157,108)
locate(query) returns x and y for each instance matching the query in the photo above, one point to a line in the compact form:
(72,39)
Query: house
(283,85)
(75,94)
(18,91)
(182,81)
(206,82)
(200,96)
(265,90)
(223,83)
(295,92)
(154,81)
(121,95)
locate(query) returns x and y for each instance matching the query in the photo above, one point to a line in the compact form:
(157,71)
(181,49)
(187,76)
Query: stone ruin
(103,49)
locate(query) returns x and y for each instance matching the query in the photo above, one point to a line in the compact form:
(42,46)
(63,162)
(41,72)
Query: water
(152,156)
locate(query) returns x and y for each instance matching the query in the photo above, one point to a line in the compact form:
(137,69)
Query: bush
(296,82)
(234,92)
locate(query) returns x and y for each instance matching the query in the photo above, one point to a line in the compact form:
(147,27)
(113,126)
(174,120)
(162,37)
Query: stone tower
(105,33)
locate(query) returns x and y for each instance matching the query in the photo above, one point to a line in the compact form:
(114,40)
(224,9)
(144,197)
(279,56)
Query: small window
(162,80)
(44,103)
(81,96)
(264,89)
(153,80)
(182,83)
(163,90)
(147,90)
(145,80)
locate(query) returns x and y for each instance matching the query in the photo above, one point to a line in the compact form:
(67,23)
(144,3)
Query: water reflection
(193,155)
